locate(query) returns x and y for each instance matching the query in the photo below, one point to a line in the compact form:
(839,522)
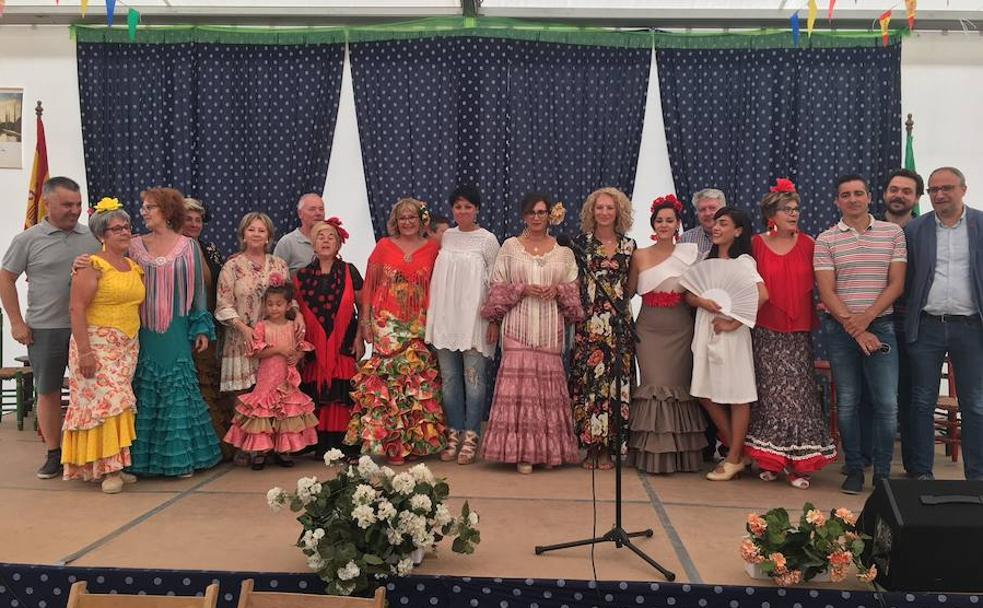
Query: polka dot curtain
(737,119)
(241,127)
(508,116)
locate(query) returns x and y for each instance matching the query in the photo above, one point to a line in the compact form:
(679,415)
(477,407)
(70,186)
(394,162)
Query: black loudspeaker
(925,535)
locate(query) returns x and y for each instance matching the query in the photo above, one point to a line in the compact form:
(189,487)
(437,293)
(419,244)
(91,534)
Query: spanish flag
(36,208)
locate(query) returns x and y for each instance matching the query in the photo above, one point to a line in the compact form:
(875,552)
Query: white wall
(942,85)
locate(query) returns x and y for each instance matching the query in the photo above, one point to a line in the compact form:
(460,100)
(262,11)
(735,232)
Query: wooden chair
(80,598)
(254,599)
(18,397)
(948,428)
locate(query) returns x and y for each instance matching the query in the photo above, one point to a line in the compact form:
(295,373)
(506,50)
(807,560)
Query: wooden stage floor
(219,520)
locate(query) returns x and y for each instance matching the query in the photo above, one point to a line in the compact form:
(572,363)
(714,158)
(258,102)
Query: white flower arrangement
(363,525)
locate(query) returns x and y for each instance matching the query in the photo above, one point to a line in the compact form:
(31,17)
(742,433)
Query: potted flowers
(367,523)
(813,548)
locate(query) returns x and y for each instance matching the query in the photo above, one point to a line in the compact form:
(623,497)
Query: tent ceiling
(860,14)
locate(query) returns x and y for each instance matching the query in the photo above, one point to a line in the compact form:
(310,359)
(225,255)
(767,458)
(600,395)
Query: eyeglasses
(945,189)
(148,207)
(789,210)
(120,229)
(539,213)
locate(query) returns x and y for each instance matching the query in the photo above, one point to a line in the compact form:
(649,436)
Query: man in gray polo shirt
(45,252)
(295,247)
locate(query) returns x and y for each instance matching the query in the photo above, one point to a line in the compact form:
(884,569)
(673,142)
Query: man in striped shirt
(706,202)
(860,269)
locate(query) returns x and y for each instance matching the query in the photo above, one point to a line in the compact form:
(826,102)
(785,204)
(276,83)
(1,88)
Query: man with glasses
(945,275)
(45,252)
(860,270)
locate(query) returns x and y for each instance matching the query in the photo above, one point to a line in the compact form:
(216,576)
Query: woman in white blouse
(454,324)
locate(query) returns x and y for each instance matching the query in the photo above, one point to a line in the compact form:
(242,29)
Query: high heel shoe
(726,471)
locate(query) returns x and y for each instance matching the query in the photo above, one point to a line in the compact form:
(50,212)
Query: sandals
(800,482)
(450,452)
(469,450)
(767,475)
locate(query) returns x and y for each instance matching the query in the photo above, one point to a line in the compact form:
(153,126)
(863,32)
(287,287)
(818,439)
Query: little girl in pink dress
(276,417)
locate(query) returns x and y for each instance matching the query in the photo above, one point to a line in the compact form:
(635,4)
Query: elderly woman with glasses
(787,432)
(174,431)
(105,310)
(397,411)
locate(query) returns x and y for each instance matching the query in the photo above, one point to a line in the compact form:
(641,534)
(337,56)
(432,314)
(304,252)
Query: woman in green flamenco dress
(174,435)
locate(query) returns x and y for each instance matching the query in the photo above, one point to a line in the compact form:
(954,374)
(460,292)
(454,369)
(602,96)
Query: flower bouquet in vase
(817,547)
(370,523)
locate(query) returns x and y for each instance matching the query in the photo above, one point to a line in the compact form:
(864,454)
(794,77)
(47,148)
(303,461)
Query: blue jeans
(964,343)
(878,372)
(463,378)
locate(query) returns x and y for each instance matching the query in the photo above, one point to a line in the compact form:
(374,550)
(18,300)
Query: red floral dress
(397,394)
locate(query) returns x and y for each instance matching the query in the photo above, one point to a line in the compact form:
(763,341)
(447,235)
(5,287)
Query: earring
(675,239)
(772,227)
(655,238)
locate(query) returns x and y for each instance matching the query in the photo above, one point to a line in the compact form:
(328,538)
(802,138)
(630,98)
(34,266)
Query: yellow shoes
(726,471)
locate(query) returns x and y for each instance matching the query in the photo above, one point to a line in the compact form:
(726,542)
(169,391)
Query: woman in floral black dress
(604,219)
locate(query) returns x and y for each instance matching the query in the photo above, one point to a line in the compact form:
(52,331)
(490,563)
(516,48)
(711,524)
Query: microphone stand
(622,330)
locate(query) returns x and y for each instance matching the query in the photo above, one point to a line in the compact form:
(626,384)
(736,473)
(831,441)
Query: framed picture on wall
(11,128)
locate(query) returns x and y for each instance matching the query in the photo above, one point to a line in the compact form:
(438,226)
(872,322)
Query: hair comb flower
(336,222)
(276,279)
(669,198)
(424,214)
(557,213)
(783,185)
(105,205)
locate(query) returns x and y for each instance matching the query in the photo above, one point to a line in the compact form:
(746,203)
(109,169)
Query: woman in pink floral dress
(276,417)
(241,284)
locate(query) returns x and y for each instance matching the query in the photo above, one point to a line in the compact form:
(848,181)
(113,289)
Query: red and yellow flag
(911,6)
(36,207)
(885,21)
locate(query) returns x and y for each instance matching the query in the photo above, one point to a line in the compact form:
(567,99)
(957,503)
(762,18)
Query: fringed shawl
(533,321)
(175,273)
(397,285)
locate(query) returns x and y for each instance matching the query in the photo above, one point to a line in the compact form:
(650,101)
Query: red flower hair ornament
(671,199)
(783,185)
(276,279)
(336,222)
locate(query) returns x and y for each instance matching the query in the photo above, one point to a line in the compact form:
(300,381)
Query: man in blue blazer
(944,299)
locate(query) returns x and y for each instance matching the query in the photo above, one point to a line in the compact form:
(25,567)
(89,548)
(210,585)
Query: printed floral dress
(592,379)
(398,411)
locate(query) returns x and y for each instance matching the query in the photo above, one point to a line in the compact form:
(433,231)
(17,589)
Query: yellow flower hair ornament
(557,213)
(105,205)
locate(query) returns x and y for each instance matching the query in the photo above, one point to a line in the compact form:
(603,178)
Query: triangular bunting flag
(2,3)
(829,15)
(885,21)
(132,21)
(795,28)
(110,11)
(811,20)
(910,7)
(85,7)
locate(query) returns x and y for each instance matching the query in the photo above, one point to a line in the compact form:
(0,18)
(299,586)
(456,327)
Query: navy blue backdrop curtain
(509,116)
(737,119)
(241,127)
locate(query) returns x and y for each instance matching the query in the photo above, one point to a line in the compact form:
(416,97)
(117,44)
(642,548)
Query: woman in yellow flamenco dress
(105,309)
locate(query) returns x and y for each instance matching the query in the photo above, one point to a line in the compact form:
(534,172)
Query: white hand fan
(728,283)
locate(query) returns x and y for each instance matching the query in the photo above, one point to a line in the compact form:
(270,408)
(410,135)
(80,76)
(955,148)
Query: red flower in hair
(336,222)
(669,198)
(783,185)
(276,279)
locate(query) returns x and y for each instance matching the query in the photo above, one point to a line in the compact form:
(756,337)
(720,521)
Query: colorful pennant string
(885,21)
